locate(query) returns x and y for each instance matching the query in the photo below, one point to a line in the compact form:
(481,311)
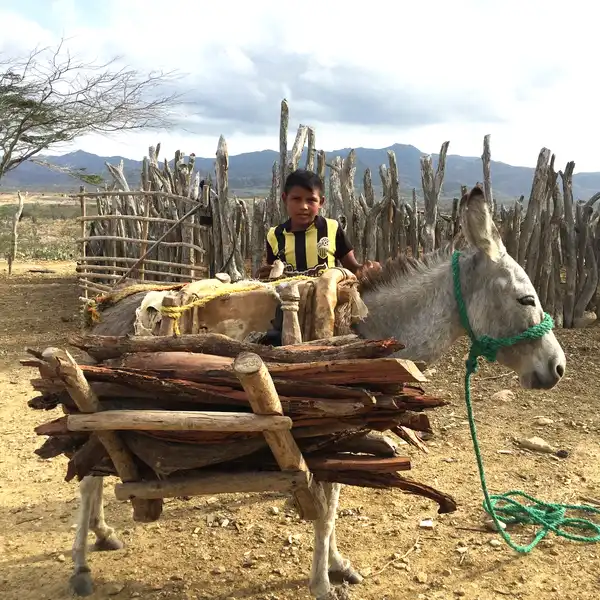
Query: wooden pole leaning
(66,369)
(262,395)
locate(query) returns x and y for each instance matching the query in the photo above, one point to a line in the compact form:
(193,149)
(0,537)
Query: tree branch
(49,98)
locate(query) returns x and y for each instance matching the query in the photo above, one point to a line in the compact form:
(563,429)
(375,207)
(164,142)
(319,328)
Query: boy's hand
(368,265)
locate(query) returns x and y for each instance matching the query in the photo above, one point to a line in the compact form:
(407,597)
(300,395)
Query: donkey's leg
(105,535)
(340,568)
(319,585)
(81,579)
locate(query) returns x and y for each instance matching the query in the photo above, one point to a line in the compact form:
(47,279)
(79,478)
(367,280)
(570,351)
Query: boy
(308,243)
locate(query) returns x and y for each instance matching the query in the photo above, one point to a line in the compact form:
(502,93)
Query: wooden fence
(145,235)
(555,239)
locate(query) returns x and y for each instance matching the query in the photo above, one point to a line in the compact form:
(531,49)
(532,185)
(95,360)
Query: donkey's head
(501,301)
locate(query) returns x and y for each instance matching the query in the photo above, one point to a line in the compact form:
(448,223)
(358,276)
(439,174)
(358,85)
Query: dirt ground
(258,552)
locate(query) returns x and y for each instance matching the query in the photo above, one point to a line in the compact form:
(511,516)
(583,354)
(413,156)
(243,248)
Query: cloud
(388,72)
(246,99)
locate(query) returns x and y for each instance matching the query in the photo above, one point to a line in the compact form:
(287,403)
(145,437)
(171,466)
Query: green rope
(504,508)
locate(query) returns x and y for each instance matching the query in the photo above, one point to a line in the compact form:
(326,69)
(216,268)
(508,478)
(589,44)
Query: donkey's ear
(478,226)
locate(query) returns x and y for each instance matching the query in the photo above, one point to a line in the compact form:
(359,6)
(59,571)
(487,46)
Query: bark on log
(110,382)
(446,503)
(254,376)
(368,188)
(90,454)
(308,399)
(68,371)
(206,368)
(336,202)
(214,483)
(533,208)
(167,420)
(349,462)
(164,456)
(335,348)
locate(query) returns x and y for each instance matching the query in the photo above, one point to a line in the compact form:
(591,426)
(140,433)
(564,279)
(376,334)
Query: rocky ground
(248,546)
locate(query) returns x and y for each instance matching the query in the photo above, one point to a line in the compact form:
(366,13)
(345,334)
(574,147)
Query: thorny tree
(49,98)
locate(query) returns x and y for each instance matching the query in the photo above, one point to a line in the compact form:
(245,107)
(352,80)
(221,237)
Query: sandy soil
(260,553)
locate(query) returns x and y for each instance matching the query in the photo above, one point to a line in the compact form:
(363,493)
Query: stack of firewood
(159,393)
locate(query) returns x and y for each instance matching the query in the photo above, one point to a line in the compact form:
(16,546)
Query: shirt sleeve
(342,243)
(270,255)
(271,241)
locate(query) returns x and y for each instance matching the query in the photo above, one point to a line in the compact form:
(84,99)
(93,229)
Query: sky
(364,75)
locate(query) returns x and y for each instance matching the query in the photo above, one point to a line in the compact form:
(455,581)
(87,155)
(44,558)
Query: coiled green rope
(504,508)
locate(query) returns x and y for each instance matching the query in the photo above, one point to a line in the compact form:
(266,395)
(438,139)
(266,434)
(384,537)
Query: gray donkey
(413,301)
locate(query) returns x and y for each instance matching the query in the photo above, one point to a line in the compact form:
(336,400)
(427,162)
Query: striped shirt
(310,251)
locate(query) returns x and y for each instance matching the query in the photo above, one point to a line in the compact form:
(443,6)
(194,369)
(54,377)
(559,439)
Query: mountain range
(250,173)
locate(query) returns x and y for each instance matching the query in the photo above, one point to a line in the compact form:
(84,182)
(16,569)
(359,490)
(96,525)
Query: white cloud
(417,73)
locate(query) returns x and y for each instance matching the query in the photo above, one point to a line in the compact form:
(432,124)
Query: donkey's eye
(527,301)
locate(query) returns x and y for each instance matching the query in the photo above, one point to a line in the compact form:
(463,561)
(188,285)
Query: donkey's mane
(402,267)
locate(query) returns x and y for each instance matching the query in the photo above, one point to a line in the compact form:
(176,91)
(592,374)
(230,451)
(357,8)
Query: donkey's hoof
(81,583)
(336,593)
(108,544)
(348,575)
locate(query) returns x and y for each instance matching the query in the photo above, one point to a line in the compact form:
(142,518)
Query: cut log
(166,420)
(165,457)
(60,444)
(89,455)
(214,483)
(336,341)
(349,462)
(315,399)
(344,347)
(368,442)
(254,376)
(407,434)
(66,369)
(446,503)
(204,367)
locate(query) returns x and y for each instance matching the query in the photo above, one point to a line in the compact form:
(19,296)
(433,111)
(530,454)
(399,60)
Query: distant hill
(250,173)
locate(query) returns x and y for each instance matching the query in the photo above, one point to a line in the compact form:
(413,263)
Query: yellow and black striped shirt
(310,251)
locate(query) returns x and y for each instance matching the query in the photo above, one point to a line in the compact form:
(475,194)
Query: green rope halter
(549,516)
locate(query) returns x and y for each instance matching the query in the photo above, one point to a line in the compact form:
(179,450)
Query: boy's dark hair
(305,179)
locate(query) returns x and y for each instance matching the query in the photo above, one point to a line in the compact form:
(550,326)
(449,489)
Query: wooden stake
(176,420)
(262,395)
(66,369)
(214,483)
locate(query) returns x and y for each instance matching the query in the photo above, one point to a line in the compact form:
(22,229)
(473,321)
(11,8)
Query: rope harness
(504,508)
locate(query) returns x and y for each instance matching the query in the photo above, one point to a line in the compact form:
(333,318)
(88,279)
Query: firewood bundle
(179,408)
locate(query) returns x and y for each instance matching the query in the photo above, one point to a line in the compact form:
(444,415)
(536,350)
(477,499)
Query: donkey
(413,301)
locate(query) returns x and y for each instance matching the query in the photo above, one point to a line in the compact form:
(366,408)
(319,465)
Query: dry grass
(48,227)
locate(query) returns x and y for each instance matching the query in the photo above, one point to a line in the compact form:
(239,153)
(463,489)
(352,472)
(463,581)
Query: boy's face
(303,205)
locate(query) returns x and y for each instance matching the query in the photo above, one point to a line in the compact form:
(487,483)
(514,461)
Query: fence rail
(126,224)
